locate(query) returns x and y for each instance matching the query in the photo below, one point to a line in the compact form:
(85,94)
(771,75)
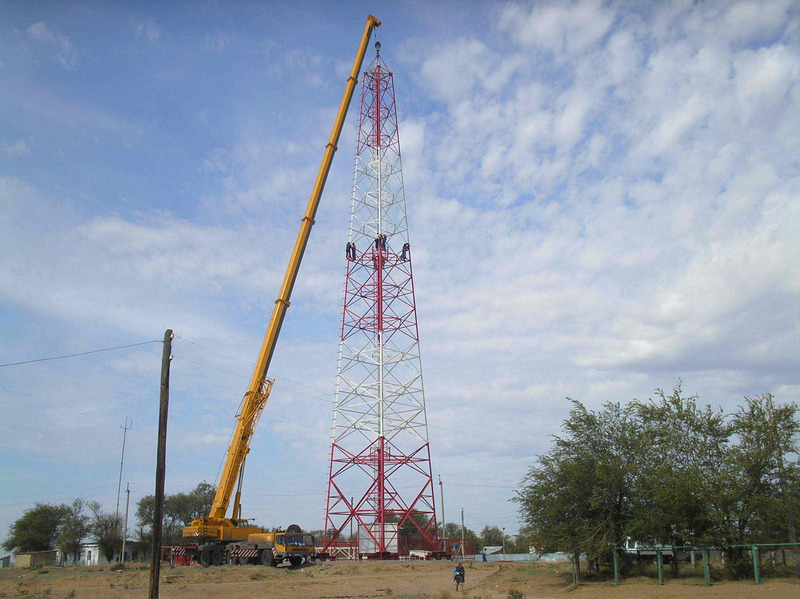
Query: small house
(35,559)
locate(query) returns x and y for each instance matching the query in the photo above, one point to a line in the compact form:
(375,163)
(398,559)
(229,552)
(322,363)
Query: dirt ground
(348,580)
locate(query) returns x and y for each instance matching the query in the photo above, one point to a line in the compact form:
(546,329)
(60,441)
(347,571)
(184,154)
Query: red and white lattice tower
(380,488)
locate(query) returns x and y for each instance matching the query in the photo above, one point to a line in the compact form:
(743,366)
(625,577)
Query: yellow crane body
(216,527)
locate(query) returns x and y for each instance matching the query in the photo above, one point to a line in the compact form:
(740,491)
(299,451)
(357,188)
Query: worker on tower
(404,254)
(349,250)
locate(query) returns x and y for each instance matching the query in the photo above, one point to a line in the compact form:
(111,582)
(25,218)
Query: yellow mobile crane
(216,538)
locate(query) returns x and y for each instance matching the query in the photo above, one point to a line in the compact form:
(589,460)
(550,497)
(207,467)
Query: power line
(280,382)
(250,365)
(86,353)
(482,437)
(480,486)
(241,376)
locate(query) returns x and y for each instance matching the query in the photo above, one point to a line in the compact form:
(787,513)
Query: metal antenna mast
(125,428)
(380,469)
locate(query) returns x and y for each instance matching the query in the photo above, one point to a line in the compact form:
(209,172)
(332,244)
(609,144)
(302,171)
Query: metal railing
(693,565)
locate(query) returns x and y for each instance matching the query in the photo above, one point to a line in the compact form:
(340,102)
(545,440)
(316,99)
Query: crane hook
(378,48)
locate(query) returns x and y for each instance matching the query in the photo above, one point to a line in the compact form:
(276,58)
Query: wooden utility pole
(125,528)
(463,530)
(441,494)
(161,463)
(126,428)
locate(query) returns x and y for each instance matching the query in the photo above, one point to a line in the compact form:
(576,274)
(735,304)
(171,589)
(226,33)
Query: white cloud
(569,125)
(453,73)
(681,231)
(18,149)
(118,272)
(752,21)
(561,28)
(66,54)
(764,80)
(147,29)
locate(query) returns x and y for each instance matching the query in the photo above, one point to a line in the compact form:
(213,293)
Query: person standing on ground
(459,575)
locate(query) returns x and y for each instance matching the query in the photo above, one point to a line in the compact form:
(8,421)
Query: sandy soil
(347,580)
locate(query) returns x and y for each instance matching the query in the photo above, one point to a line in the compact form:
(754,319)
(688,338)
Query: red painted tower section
(380,488)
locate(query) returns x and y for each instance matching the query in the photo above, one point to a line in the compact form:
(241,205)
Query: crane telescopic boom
(216,525)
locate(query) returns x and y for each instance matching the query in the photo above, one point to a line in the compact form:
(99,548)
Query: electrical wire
(182,359)
(281,382)
(86,353)
(480,486)
(232,359)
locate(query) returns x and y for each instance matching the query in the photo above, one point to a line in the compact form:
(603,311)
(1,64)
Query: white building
(90,555)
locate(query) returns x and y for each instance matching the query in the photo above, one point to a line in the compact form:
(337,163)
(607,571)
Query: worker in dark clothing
(377,242)
(459,575)
(404,253)
(383,242)
(349,250)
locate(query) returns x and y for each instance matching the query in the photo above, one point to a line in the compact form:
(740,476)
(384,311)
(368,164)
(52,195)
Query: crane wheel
(205,558)
(295,560)
(216,557)
(267,559)
(293,528)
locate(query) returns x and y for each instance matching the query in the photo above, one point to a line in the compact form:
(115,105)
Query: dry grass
(343,580)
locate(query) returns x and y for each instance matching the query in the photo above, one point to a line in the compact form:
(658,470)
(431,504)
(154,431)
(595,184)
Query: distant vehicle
(649,552)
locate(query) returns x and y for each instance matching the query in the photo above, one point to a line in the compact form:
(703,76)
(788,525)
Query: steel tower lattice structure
(380,470)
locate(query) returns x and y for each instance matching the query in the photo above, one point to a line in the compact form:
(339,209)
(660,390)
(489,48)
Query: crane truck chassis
(265,548)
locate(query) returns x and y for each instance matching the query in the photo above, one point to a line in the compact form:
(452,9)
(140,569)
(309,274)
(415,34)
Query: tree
(491,536)
(684,450)
(179,510)
(452,530)
(413,525)
(762,494)
(185,507)
(667,471)
(73,529)
(37,529)
(683,453)
(143,540)
(105,528)
(577,498)
(524,543)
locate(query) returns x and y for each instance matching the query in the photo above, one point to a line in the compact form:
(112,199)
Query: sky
(602,202)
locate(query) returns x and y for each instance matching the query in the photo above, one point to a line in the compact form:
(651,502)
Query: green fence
(692,565)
